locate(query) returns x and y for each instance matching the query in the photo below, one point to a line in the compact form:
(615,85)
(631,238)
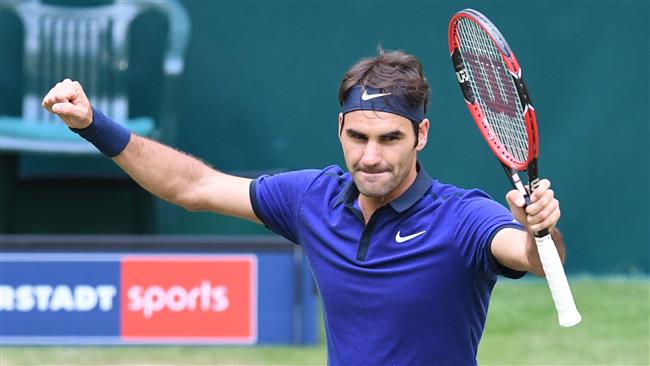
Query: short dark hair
(394,72)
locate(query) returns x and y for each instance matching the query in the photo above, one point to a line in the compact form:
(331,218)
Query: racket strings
(494,89)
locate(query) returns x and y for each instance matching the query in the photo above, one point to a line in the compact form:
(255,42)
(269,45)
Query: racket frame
(510,164)
(568,314)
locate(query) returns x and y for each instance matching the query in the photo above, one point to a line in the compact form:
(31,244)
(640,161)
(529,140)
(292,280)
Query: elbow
(189,202)
(193,205)
(538,272)
(194,196)
(534,264)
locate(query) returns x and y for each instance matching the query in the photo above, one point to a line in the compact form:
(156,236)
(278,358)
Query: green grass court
(521,330)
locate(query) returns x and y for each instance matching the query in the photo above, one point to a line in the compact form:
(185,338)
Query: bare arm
(169,174)
(517,249)
(184,180)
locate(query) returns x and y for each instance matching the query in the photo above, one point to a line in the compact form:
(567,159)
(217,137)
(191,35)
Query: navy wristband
(108,136)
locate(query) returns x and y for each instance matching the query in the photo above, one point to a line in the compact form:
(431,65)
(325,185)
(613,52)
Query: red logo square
(211,298)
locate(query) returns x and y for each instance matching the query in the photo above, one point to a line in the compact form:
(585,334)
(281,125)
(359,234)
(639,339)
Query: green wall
(260,95)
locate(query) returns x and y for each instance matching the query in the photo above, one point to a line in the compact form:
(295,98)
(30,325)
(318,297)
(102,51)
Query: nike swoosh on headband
(366,96)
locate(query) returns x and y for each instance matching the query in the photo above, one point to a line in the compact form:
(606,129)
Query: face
(379,152)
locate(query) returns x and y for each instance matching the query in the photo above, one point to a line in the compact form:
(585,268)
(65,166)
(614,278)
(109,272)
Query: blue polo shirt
(409,288)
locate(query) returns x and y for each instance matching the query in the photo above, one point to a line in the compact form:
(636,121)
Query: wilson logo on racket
(462,76)
(493,85)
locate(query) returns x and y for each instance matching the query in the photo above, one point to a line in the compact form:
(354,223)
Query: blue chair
(88,44)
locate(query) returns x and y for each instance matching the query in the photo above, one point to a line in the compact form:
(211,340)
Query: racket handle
(567,312)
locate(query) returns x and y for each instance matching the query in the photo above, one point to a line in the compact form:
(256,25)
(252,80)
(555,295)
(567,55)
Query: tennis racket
(497,98)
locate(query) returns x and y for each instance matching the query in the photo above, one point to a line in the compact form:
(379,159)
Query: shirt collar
(400,204)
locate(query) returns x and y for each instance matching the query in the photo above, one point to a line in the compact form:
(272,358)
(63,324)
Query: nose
(371,154)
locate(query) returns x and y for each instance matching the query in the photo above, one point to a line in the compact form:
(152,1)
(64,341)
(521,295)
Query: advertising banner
(113,299)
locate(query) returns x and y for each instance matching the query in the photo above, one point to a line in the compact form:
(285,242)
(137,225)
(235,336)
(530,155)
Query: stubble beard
(380,190)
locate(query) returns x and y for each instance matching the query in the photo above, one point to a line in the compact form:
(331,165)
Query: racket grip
(567,312)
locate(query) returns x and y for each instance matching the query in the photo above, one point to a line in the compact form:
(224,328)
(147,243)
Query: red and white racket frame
(568,314)
(515,71)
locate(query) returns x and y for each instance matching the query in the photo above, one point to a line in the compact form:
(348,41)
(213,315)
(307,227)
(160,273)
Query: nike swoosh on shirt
(366,96)
(401,239)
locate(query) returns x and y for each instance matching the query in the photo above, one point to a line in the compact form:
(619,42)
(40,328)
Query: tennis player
(405,264)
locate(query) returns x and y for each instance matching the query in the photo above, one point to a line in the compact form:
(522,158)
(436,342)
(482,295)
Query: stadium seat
(109,47)
(89,44)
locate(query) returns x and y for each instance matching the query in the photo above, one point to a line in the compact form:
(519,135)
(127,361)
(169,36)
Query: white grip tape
(567,312)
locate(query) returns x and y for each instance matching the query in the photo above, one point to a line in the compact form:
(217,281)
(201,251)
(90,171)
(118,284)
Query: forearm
(534,264)
(517,249)
(163,171)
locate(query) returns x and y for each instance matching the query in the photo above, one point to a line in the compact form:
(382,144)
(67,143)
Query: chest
(401,259)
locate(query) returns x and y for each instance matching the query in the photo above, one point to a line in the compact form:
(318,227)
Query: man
(405,264)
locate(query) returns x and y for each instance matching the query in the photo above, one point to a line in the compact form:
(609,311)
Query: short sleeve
(479,219)
(276,200)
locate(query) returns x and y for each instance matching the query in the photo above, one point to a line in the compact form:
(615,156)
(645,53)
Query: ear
(423,133)
(340,124)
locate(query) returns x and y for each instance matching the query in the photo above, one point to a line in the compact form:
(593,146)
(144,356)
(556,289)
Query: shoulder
(463,199)
(454,193)
(303,180)
(326,184)
(332,175)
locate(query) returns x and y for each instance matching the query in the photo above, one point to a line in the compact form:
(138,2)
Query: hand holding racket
(497,98)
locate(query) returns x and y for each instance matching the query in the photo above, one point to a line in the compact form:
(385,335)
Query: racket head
(496,96)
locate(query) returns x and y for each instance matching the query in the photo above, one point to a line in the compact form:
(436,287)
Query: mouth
(371,174)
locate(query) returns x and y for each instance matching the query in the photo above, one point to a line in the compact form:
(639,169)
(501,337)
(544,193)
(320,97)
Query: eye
(357,136)
(390,138)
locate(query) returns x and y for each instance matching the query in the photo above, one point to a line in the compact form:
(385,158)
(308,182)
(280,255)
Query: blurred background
(258,95)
